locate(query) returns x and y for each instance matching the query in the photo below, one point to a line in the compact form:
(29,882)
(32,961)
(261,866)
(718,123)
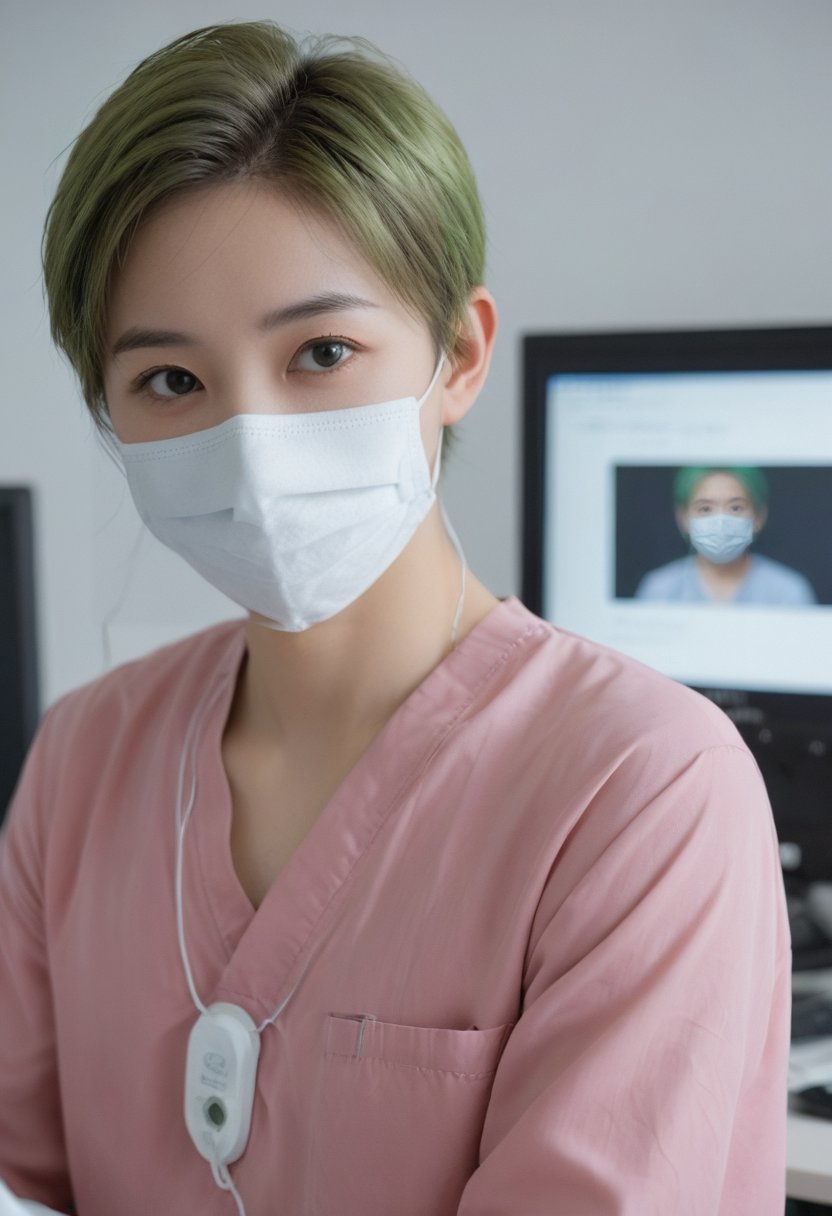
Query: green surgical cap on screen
(752,480)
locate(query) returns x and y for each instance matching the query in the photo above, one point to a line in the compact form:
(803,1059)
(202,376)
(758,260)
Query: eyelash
(323,341)
(140,384)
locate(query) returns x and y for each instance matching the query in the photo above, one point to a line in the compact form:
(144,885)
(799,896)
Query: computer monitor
(19,702)
(620,430)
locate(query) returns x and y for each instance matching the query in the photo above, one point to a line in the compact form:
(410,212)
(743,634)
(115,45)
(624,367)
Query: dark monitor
(631,440)
(19,702)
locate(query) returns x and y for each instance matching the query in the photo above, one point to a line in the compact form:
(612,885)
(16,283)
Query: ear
(473,357)
(682,522)
(760,518)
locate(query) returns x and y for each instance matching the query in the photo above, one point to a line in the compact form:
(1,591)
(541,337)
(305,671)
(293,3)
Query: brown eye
(170,382)
(323,356)
(327,354)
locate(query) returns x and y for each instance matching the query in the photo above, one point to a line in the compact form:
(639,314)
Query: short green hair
(331,122)
(751,479)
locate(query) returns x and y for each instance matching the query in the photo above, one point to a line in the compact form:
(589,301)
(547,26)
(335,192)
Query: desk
(809,1140)
(809,1158)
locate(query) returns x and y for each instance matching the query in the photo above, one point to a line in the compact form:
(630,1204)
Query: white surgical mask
(292,516)
(721,538)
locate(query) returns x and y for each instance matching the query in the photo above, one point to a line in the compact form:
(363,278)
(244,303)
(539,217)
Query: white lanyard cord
(221,1174)
(223,1179)
(189,748)
(189,751)
(456,544)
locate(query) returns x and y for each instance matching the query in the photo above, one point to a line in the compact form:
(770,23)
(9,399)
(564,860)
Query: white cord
(107,651)
(220,1172)
(456,544)
(107,438)
(222,1177)
(274,1016)
(225,1182)
(108,442)
(189,751)
(460,604)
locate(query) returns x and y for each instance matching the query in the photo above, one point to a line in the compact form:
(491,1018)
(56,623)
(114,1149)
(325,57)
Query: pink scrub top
(537,946)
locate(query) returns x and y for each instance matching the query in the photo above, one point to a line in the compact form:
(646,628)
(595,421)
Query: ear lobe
(472,357)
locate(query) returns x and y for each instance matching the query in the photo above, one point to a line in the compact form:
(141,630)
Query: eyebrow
(735,498)
(136,337)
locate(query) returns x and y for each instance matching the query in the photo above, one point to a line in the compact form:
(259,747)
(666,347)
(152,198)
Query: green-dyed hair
(330,122)
(751,479)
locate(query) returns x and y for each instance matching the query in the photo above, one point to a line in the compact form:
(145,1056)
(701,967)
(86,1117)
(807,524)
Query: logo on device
(215,1062)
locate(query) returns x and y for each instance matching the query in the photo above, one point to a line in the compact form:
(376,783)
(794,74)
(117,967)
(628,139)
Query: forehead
(243,244)
(720,485)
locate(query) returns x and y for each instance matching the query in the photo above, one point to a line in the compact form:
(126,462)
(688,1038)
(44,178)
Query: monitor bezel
(749,349)
(17,506)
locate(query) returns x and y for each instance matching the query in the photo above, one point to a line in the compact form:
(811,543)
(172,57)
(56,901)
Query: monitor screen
(677,488)
(19,706)
(645,466)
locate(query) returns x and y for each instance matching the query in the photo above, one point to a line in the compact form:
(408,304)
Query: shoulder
(159,687)
(778,580)
(663,581)
(586,743)
(598,700)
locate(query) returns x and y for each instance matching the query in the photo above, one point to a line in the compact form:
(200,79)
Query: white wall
(642,162)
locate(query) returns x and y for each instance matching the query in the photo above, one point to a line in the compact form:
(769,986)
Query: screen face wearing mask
(292,516)
(721,538)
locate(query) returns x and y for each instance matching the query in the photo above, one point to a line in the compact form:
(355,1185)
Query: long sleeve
(646,1075)
(32,1153)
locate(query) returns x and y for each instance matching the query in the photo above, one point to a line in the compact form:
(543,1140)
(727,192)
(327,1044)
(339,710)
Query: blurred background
(650,163)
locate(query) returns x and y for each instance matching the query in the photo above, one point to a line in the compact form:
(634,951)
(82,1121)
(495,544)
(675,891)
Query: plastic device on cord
(220,1073)
(224,1043)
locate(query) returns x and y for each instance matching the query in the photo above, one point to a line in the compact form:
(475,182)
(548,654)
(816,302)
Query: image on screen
(685,522)
(771,554)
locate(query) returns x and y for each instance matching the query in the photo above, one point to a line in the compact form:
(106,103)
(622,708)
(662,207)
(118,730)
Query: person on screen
(387,898)
(720,511)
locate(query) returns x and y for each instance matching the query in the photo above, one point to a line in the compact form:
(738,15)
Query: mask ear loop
(107,438)
(433,380)
(110,445)
(434,481)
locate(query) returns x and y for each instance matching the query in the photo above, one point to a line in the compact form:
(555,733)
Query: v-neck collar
(260,948)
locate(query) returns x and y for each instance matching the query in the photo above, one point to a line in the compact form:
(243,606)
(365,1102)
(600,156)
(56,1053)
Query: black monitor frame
(21,711)
(790,734)
(807,348)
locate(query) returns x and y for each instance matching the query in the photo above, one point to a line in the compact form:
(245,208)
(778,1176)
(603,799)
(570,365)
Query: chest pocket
(399,1115)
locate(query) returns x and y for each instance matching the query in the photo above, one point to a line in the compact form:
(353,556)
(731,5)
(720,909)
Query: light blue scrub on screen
(767,582)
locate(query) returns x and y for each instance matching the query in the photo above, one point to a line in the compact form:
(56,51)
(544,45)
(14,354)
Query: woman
(720,511)
(392,898)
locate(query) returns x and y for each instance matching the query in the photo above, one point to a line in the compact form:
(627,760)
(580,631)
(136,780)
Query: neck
(343,678)
(728,572)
